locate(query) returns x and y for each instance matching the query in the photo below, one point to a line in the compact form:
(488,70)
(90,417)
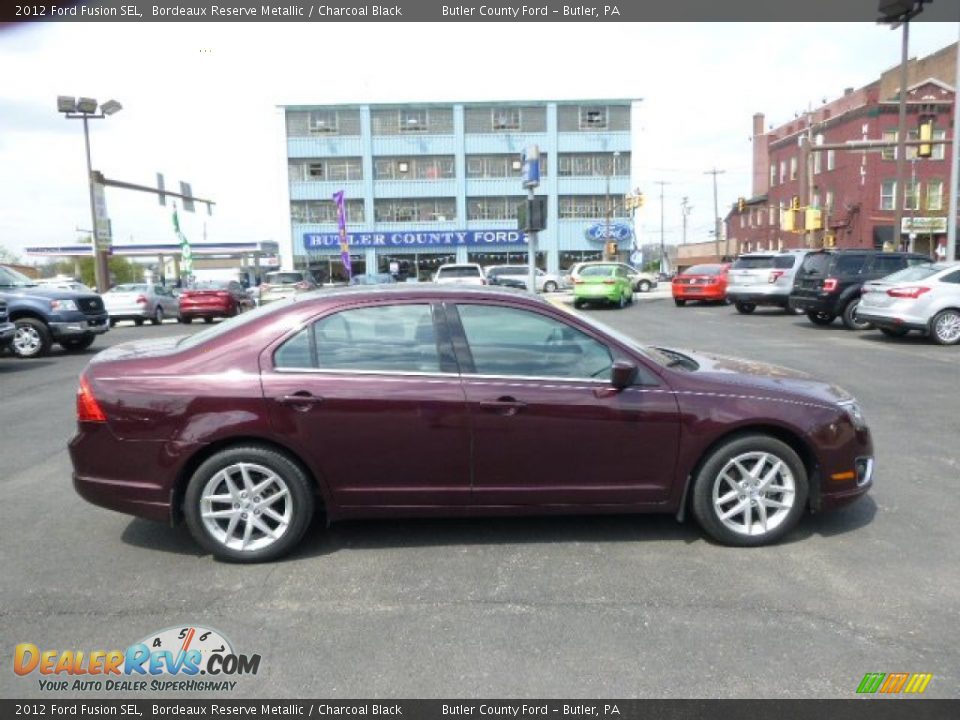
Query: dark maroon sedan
(439,400)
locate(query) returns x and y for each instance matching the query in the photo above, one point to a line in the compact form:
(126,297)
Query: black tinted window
(887,264)
(816,264)
(953,277)
(755,263)
(848,265)
(459,272)
(784,262)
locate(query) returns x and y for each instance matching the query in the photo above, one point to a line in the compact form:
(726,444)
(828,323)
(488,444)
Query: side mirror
(622,374)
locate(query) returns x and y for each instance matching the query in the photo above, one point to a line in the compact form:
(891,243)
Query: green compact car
(603,283)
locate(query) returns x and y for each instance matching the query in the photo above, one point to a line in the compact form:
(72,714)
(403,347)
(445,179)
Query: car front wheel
(945,327)
(31,338)
(157,318)
(644,286)
(678,302)
(750,491)
(248,504)
(745,308)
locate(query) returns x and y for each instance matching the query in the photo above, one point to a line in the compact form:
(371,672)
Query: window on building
(934,194)
(815,202)
(888,194)
(426,167)
(493,208)
(304,212)
(593,118)
(911,200)
(593,164)
(330,169)
(413,121)
(818,156)
(783,171)
(415,210)
(590,206)
(773,174)
(831,160)
(743,220)
(889,153)
(499,166)
(323,122)
(771,215)
(793,168)
(505,118)
(828,202)
(938,150)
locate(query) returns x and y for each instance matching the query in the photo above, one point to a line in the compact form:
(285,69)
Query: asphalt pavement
(586,607)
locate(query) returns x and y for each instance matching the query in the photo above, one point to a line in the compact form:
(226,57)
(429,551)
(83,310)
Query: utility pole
(954,169)
(900,199)
(716,209)
(661,183)
(685,209)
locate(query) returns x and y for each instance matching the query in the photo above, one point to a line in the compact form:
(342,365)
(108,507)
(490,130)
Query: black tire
(849,317)
(208,320)
(185,320)
(622,302)
(578,303)
(644,286)
(31,338)
(157,318)
(820,318)
(894,332)
(138,321)
(678,302)
(113,322)
(549,286)
(80,343)
(300,498)
(790,310)
(709,476)
(943,327)
(745,308)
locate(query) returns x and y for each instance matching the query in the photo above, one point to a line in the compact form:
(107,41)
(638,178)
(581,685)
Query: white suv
(763,278)
(465,274)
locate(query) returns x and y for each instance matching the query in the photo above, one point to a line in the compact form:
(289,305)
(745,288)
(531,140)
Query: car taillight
(301,285)
(830,284)
(908,292)
(88,409)
(775,275)
(223,293)
(578,281)
(141,300)
(483,281)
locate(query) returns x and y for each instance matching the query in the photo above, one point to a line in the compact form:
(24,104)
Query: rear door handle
(300,400)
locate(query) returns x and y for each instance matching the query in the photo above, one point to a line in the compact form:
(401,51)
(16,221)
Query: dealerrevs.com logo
(178,659)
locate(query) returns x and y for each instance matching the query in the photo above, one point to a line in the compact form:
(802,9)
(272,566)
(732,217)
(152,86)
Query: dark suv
(828,282)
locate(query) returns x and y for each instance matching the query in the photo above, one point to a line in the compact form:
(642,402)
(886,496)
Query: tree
(8,256)
(122,270)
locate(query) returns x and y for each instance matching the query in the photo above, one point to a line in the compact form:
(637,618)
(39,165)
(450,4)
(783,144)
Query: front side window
(382,338)
(507,341)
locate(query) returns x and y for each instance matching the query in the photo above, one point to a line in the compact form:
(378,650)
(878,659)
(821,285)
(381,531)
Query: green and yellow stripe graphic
(892,683)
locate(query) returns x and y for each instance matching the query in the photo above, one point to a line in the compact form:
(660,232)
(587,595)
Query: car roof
(414,290)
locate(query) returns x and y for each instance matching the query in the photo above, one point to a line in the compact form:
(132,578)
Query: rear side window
(756,262)
(785,262)
(848,265)
(816,264)
(887,264)
(459,272)
(953,277)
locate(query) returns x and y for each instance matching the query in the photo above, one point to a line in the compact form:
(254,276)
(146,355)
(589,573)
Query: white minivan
(460,274)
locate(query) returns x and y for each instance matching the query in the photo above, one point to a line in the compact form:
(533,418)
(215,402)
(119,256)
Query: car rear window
(209,285)
(754,262)
(816,264)
(784,262)
(597,271)
(462,271)
(284,278)
(128,288)
(703,270)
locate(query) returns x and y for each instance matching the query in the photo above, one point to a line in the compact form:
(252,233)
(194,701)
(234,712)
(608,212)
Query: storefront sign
(417,239)
(924,225)
(601,232)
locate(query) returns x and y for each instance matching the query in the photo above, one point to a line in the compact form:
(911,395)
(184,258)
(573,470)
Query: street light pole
(900,198)
(101,272)
(716,210)
(661,183)
(954,169)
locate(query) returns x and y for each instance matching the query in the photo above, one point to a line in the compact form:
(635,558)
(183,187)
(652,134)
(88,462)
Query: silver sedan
(925,298)
(139,302)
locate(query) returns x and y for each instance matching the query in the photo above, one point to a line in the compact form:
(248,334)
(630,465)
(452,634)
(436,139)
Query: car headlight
(855,413)
(63,305)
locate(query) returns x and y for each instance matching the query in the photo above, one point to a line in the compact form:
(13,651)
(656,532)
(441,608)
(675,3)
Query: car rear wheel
(80,343)
(157,318)
(678,302)
(745,308)
(550,286)
(138,321)
(31,338)
(750,491)
(820,318)
(945,327)
(248,504)
(208,320)
(185,320)
(850,319)
(622,302)
(644,286)
(894,332)
(578,303)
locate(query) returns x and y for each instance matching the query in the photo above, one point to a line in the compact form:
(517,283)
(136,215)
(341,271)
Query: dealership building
(426,184)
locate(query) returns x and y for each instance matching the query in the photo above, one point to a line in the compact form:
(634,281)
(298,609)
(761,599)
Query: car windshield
(597,271)
(12,278)
(129,288)
(459,271)
(703,270)
(754,262)
(284,278)
(914,273)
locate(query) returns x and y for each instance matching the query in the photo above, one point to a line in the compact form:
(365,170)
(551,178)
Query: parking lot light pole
(86,109)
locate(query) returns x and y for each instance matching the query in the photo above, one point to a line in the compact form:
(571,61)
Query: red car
(701,282)
(450,400)
(210,299)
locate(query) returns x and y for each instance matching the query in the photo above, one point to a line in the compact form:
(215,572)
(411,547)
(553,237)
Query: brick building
(855,190)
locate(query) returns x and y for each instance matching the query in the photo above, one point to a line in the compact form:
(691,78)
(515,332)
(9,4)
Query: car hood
(139,349)
(764,376)
(51,293)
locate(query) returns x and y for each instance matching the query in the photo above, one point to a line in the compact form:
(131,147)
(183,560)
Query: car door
(372,396)
(546,426)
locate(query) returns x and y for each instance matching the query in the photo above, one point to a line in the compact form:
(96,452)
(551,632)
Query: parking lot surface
(632,606)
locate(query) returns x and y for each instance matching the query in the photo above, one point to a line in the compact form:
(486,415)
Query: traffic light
(926,133)
(788,220)
(611,249)
(795,202)
(640,200)
(741,203)
(813,219)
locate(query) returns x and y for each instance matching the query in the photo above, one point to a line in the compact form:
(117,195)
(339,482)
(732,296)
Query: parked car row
(896,292)
(518,276)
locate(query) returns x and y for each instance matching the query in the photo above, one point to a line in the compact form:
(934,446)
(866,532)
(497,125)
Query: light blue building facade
(426,184)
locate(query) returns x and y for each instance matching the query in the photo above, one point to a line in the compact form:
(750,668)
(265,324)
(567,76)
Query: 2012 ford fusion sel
(431,400)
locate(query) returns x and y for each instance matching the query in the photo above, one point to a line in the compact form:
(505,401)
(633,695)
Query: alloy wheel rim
(246,507)
(754,493)
(26,340)
(948,327)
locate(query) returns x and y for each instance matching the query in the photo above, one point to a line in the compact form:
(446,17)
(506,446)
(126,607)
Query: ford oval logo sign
(602,232)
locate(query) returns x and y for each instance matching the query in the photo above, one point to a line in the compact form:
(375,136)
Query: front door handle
(301,400)
(503,405)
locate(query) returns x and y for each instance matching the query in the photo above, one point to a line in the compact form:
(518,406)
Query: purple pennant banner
(342,230)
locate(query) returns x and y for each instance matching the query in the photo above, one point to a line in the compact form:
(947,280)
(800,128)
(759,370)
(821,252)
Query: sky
(200,104)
